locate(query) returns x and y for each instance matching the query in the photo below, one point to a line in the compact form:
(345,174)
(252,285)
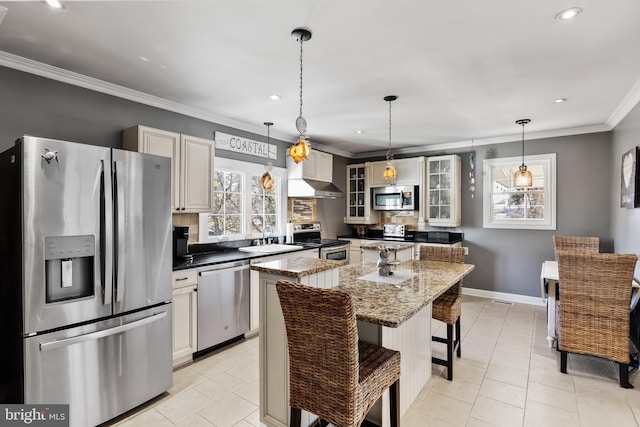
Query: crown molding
(54,73)
(628,103)
(487,141)
(26,65)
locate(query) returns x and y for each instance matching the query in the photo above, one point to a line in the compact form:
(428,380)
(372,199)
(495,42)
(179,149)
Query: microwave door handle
(106,234)
(119,210)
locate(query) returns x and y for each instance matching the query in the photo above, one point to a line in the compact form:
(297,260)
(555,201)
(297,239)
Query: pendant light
(300,150)
(523,177)
(267,180)
(390,172)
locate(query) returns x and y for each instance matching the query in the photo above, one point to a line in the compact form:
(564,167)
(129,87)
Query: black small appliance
(180,245)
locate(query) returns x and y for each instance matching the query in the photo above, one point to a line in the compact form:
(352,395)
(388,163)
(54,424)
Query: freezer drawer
(223,303)
(102,369)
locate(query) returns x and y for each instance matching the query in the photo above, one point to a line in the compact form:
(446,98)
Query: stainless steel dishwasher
(223,302)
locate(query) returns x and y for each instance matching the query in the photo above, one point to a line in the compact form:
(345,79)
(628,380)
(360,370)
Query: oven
(308,234)
(336,253)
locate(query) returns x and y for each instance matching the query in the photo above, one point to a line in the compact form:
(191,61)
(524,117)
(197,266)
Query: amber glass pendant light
(267,180)
(300,150)
(523,177)
(390,172)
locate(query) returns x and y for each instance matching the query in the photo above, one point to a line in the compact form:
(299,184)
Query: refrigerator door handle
(120,217)
(107,235)
(51,345)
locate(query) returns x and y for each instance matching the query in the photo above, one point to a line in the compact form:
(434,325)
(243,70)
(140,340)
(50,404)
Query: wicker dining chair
(331,373)
(593,312)
(576,243)
(447,307)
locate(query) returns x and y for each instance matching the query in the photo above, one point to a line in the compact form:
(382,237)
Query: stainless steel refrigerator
(85,277)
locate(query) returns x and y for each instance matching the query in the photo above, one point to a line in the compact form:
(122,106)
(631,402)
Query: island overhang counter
(392,311)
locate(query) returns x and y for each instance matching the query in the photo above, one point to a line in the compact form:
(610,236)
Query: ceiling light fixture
(390,172)
(300,150)
(568,14)
(523,177)
(56,4)
(559,100)
(274,97)
(267,180)
(359,132)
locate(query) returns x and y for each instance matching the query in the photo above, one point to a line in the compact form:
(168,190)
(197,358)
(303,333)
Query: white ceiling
(462,69)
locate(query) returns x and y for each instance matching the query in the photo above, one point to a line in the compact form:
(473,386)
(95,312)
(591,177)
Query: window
(241,208)
(506,206)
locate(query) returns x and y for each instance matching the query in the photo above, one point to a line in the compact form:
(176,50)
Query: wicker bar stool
(331,373)
(576,243)
(447,307)
(593,313)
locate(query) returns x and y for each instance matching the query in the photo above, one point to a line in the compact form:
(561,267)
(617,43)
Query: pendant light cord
(523,143)
(301,42)
(389,154)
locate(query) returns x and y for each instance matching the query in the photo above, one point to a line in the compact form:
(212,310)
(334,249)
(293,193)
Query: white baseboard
(503,296)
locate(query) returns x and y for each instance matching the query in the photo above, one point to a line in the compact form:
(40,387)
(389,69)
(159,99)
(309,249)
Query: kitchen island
(393,311)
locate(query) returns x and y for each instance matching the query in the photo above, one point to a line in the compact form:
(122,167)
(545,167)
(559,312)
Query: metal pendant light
(523,177)
(390,172)
(267,180)
(300,150)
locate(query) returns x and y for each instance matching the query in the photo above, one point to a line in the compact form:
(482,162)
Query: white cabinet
(443,191)
(185,315)
(191,164)
(318,167)
(409,172)
(359,196)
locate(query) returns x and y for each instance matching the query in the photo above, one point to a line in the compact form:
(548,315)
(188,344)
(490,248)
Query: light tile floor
(507,376)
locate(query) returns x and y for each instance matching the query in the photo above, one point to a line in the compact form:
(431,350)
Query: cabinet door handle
(181,279)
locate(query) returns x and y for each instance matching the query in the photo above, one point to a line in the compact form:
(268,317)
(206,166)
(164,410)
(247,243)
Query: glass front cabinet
(358,196)
(443,190)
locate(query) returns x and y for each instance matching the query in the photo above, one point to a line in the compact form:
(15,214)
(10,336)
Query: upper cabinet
(443,190)
(409,172)
(191,164)
(318,167)
(358,196)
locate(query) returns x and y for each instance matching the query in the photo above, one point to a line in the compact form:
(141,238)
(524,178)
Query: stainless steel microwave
(395,198)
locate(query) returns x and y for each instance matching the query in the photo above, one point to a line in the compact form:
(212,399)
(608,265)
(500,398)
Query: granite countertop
(392,246)
(219,257)
(296,267)
(390,301)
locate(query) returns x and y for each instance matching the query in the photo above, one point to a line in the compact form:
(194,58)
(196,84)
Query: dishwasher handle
(225,270)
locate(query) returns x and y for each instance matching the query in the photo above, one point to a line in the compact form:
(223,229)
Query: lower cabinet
(185,315)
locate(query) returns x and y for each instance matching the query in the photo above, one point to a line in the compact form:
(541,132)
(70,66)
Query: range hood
(302,187)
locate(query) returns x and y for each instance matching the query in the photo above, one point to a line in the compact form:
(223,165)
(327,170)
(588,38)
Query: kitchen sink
(269,249)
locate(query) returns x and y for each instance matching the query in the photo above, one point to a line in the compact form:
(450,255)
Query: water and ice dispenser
(69,262)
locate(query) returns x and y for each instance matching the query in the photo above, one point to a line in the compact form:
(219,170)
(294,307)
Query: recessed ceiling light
(56,4)
(359,132)
(559,100)
(274,97)
(144,59)
(568,14)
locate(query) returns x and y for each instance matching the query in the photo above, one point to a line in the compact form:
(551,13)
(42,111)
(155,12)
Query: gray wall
(625,224)
(506,260)
(43,107)
(510,260)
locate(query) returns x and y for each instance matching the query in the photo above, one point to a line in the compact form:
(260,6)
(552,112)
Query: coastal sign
(238,144)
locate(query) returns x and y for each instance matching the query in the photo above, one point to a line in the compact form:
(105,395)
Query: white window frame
(247,169)
(548,162)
